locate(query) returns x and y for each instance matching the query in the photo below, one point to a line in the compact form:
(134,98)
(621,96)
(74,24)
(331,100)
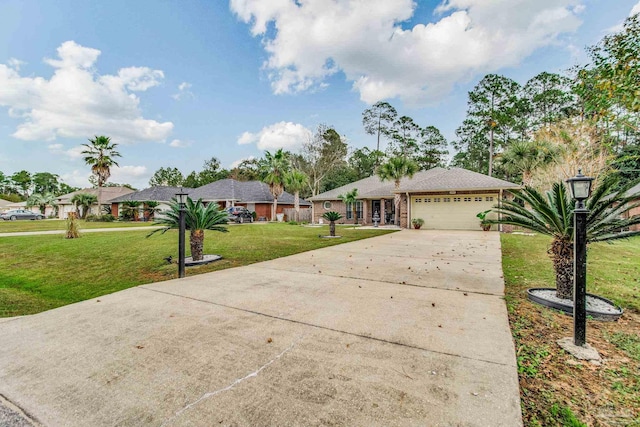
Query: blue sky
(176,83)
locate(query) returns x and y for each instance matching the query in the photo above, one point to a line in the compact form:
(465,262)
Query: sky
(175,83)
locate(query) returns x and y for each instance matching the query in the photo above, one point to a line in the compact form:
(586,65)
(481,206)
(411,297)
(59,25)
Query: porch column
(383,213)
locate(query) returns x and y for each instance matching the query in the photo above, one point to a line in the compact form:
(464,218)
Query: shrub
(100,218)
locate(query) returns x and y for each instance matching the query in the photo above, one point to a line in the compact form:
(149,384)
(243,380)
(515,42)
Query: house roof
(242,192)
(104,194)
(633,190)
(436,179)
(4,203)
(158,194)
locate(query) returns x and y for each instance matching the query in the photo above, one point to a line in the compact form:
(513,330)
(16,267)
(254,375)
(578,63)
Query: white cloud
(76,102)
(184,92)
(15,63)
(285,135)
(72,153)
(635,9)
(76,178)
(237,162)
(314,39)
(176,143)
(620,26)
(129,175)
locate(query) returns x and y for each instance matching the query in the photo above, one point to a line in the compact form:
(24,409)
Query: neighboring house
(254,195)
(635,211)
(104,194)
(5,205)
(160,194)
(443,198)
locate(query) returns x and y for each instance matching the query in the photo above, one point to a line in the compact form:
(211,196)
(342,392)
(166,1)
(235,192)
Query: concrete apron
(403,329)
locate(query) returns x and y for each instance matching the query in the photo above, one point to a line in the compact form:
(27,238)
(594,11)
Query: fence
(304,214)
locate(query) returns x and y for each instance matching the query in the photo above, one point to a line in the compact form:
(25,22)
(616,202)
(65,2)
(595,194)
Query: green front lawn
(61,224)
(38,273)
(556,389)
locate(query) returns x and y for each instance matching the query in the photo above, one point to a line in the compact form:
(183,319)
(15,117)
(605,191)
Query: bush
(292,222)
(255,215)
(100,218)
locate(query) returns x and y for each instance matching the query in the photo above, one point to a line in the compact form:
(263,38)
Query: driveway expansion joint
(363,336)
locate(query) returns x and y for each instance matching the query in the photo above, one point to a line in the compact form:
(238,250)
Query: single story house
(104,194)
(160,194)
(635,211)
(443,198)
(4,205)
(253,195)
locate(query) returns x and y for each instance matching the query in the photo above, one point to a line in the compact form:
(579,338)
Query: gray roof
(436,179)
(633,190)
(158,194)
(242,192)
(104,194)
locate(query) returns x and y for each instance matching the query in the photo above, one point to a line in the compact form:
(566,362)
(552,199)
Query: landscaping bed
(556,389)
(41,272)
(61,224)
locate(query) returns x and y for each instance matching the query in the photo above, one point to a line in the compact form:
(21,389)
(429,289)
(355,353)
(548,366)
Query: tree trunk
(296,205)
(491,150)
(274,209)
(562,255)
(196,240)
(332,229)
(355,214)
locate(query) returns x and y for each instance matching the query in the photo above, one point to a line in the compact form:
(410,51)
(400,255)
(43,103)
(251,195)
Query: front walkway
(408,328)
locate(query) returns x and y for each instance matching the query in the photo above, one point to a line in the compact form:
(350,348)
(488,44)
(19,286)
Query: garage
(451,211)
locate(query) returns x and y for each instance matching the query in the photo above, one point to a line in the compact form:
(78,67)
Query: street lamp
(580,186)
(181,197)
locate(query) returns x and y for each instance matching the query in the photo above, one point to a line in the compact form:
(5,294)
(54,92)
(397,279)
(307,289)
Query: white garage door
(451,212)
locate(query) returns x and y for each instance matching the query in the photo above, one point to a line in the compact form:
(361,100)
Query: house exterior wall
(633,212)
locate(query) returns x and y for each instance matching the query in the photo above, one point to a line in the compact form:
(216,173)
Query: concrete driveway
(404,329)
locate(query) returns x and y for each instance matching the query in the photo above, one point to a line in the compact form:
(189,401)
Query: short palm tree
(275,168)
(394,170)
(332,217)
(295,181)
(42,201)
(100,156)
(130,209)
(552,215)
(151,208)
(84,201)
(349,199)
(198,218)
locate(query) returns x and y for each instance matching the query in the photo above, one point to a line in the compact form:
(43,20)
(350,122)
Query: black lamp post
(181,197)
(580,190)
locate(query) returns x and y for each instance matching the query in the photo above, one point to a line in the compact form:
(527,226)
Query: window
(447,199)
(456,199)
(359,206)
(427,200)
(327,205)
(467,199)
(436,199)
(489,199)
(418,200)
(478,199)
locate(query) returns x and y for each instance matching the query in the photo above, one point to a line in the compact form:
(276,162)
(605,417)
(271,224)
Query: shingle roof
(158,194)
(104,194)
(241,191)
(456,179)
(633,190)
(436,179)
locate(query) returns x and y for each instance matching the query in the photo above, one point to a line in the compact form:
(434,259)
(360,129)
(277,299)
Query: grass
(41,272)
(556,389)
(61,224)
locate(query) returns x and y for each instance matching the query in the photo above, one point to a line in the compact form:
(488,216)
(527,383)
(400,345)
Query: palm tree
(395,169)
(42,201)
(151,208)
(274,168)
(350,198)
(332,217)
(295,181)
(524,157)
(197,219)
(130,209)
(552,215)
(100,156)
(84,201)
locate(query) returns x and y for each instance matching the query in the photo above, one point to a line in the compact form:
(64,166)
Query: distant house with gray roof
(443,198)
(254,195)
(160,194)
(103,194)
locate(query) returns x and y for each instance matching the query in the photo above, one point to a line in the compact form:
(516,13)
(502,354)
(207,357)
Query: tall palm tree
(524,157)
(274,169)
(394,170)
(350,198)
(100,156)
(197,219)
(552,215)
(84,201)
(295,181)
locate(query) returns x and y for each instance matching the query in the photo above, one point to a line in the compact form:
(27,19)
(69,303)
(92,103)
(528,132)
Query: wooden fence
(304,214)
